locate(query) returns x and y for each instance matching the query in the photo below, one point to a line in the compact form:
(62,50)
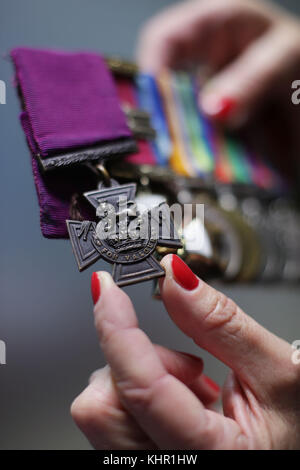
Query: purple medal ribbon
(69,101)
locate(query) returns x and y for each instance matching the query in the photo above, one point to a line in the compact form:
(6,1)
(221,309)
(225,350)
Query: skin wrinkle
(271,417)
(118,417)
(102,414)
(241,397)
(137,398)
(219,305)
(197,436)
(215,318)
(111,415)
(269,424)
(155,385)
(275,391)
(106,412)
(187,367)
(255,415)
(248,333)
(138,373)
(228,426)
(209,430)
(156,391)
(107,330)
(241,439)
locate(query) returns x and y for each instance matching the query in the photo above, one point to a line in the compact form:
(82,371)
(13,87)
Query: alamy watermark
(296,93)
(2,92)
(128,220)
(2,353)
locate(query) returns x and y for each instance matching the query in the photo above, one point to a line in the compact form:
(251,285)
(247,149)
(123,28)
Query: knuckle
(140,398)
(88,413)
(136,397)
(224,313)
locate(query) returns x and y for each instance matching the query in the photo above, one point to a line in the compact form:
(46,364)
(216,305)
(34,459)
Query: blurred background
(46,308)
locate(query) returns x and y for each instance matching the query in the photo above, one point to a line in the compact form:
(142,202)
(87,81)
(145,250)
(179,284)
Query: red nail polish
(95,287)
(213,385)
(183,274)
(224,108)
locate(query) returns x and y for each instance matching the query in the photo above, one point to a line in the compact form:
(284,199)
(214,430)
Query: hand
(252,50)
(250,46)
(149,397)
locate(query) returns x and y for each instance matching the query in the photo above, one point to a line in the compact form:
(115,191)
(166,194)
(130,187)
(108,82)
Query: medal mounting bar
(88,154)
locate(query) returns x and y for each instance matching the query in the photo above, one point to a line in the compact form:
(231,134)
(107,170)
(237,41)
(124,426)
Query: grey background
(46,309)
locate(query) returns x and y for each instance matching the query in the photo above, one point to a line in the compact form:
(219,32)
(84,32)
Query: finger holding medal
(148,398)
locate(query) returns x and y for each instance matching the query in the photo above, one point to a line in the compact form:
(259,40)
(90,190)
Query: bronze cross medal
(124,236)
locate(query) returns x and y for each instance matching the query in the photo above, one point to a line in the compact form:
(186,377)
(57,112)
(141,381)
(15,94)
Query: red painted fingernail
(213,385)
(226,106)
(183,274)
(95,287)
(217,107)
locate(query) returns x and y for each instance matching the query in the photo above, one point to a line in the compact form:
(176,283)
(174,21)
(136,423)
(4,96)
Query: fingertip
(166,262)
(95,287)
(177,270)
(194,361)
(217,106)
(106,280)
(212,385)
(100,281)
(207,389)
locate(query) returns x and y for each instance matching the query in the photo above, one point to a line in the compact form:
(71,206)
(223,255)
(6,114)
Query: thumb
(233,93)
(218,325)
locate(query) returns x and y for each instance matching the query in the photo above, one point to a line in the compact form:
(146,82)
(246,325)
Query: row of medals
(244,238)
(246,235)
